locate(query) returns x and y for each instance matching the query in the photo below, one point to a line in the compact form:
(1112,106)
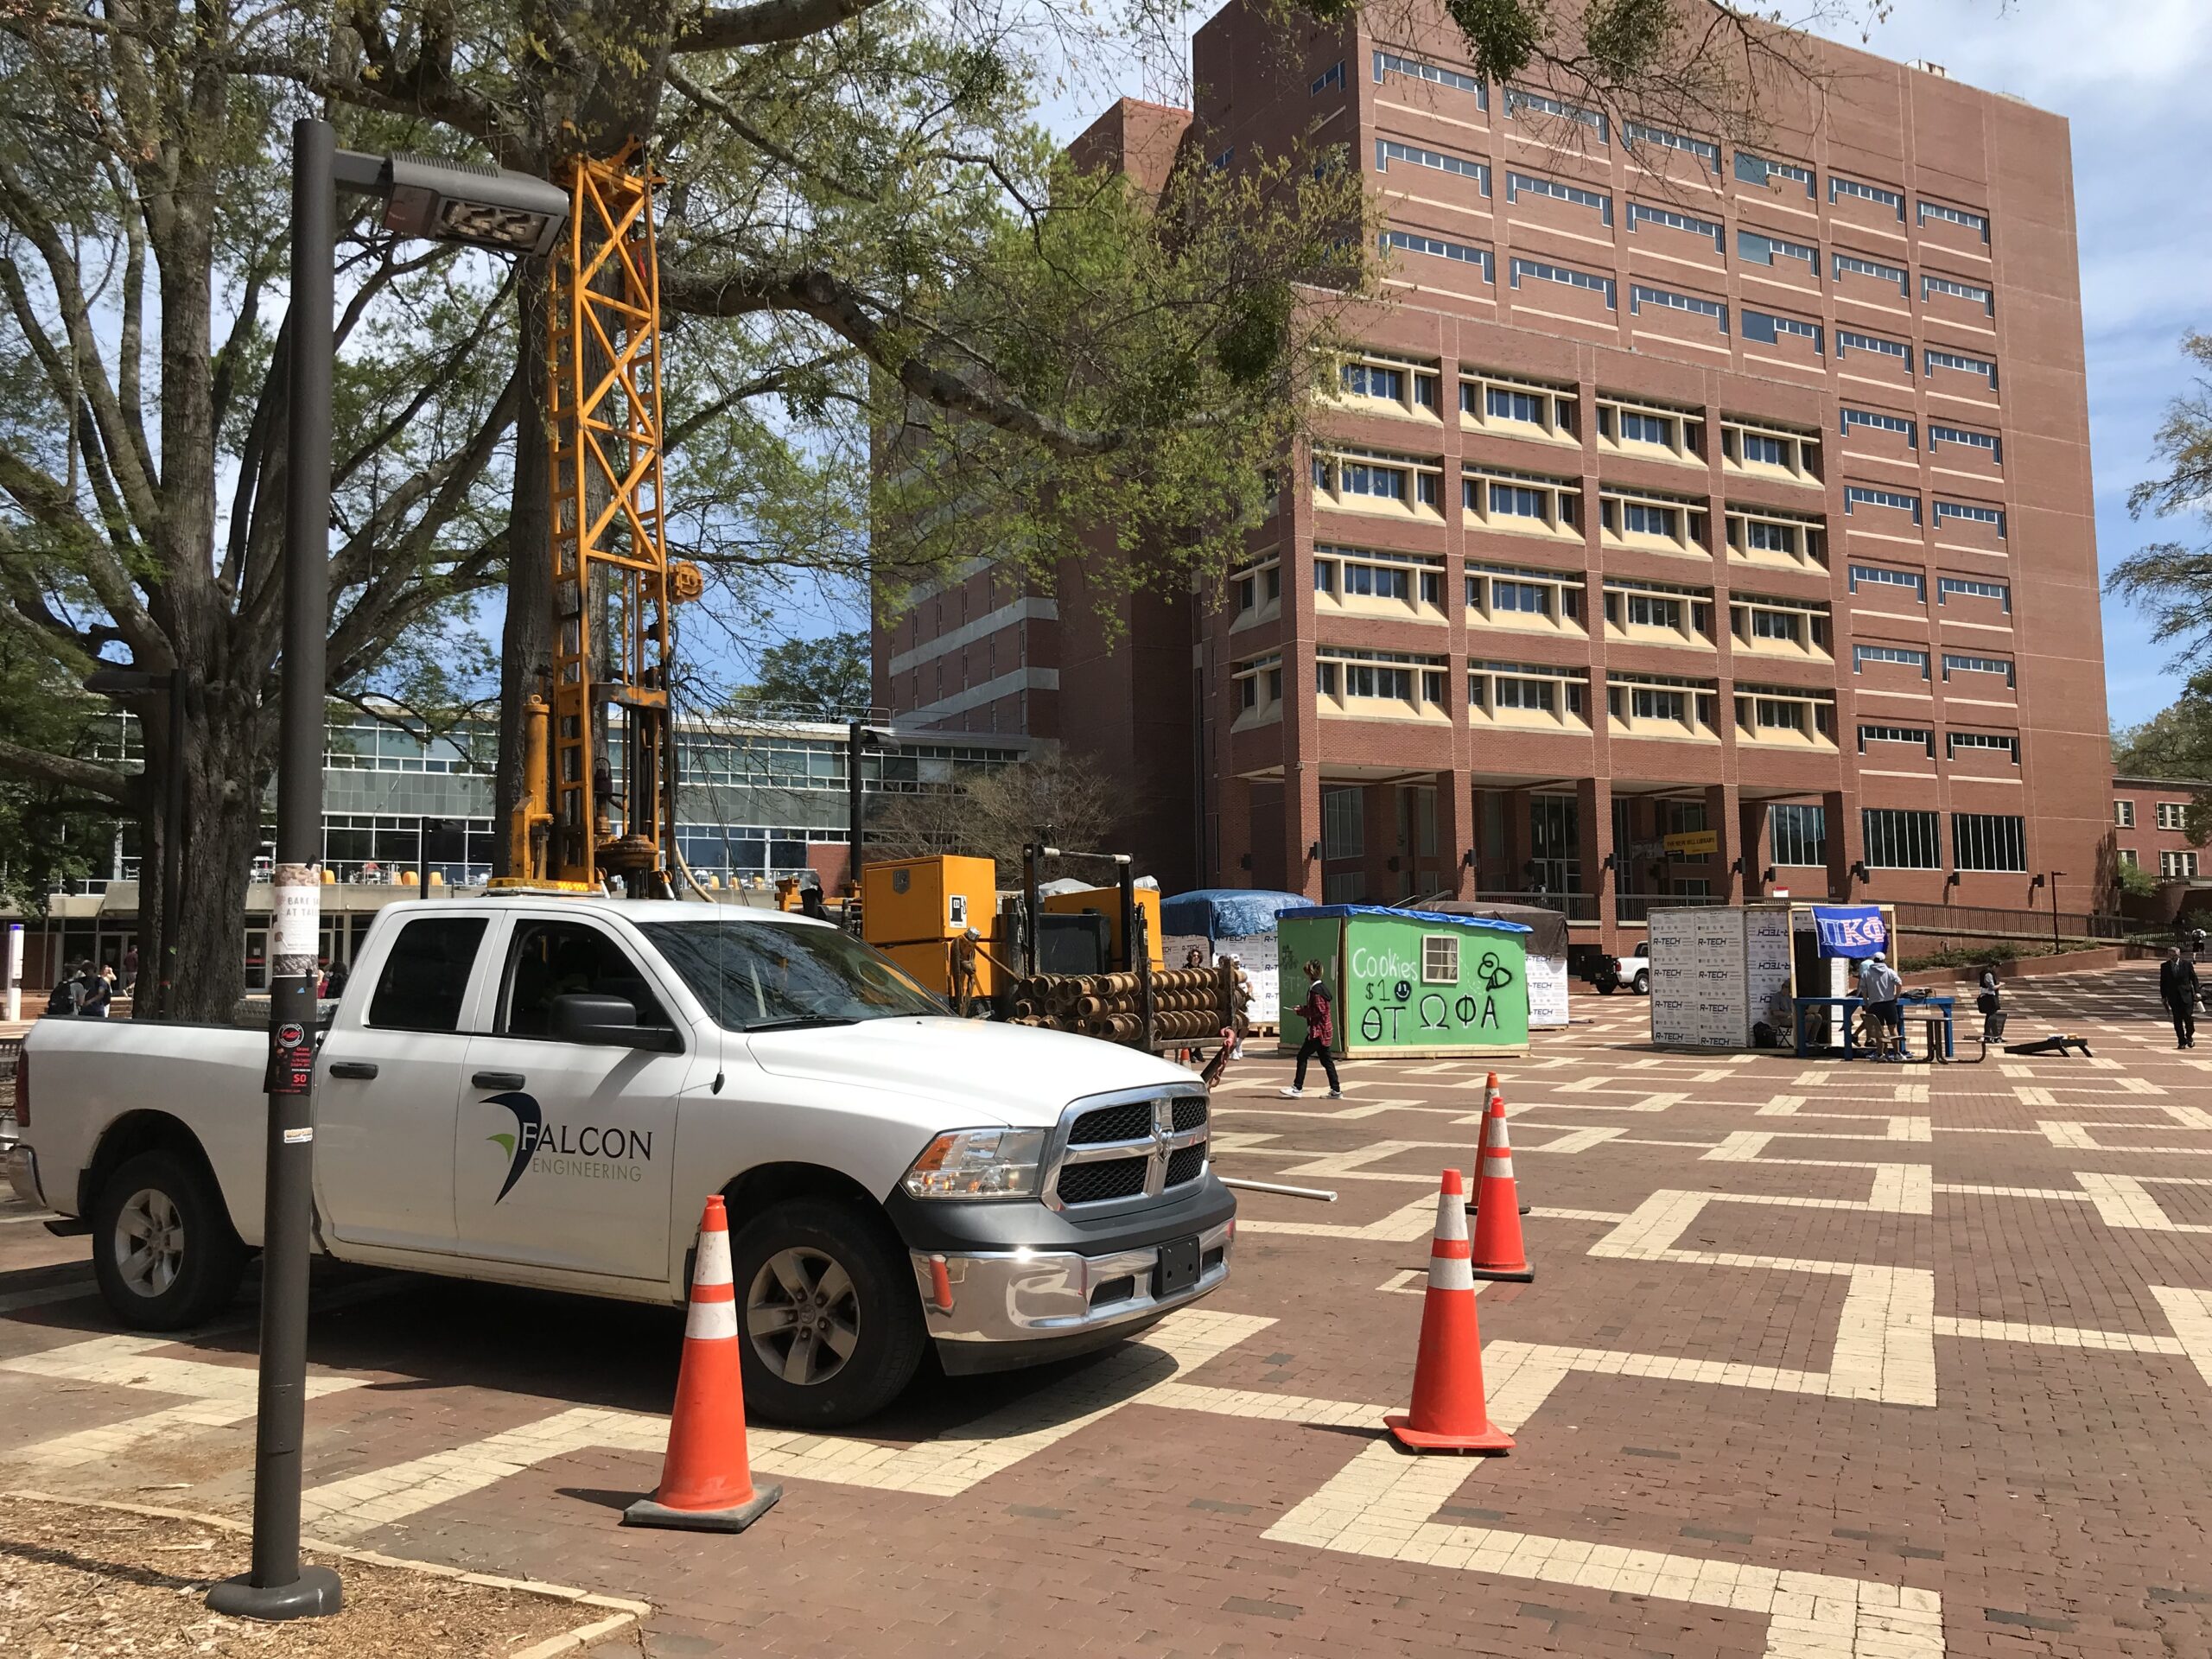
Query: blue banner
(1851,929)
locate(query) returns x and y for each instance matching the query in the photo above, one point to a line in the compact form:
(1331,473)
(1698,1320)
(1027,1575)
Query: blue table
(1850,1006)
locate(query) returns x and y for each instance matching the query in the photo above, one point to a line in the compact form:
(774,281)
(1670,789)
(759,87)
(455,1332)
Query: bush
(1980,955)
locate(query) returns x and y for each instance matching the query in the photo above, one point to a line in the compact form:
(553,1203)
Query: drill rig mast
(574,826)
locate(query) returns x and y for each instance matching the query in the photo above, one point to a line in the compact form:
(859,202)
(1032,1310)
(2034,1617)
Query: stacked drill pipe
(1187,1003)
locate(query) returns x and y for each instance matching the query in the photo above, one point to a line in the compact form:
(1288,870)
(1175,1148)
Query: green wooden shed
(1408,982)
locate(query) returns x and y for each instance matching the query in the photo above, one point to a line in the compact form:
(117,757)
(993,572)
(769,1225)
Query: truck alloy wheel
(163,1250)
(832,1320)
(149,1242)
(803,1316)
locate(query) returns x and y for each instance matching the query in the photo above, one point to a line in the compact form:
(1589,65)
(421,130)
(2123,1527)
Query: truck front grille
(1130,1149)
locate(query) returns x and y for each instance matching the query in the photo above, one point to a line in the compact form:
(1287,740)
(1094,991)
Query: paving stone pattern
(1821,1360)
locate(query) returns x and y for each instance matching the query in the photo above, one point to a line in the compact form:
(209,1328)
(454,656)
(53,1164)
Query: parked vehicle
(1633,970)
(542,1091)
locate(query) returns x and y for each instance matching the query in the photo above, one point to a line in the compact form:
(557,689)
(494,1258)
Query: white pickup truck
(542,1091)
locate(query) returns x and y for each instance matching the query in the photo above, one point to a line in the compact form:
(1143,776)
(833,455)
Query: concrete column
(1520,846)
(1593,811)
(1752,840)
(1455,830)
(1233,801)
(1379,819)
(1301,828)
(1720,808)
(1847,844)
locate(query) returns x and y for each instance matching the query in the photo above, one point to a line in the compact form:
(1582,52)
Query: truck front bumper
(1004,1285)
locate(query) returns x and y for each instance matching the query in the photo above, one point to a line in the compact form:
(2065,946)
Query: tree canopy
(823,679)
(2171,580)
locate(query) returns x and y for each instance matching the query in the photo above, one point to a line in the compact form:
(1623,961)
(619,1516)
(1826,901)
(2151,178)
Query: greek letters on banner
(1851,929)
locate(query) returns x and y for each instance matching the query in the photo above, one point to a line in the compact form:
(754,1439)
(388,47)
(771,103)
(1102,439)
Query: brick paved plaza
(1820,1360)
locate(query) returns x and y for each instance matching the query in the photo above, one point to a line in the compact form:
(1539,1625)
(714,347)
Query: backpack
(67,998)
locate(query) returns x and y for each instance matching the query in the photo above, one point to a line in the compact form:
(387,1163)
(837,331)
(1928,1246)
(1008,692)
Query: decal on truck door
(591,1152)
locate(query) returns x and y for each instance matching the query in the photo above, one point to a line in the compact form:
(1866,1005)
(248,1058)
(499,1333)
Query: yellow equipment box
(917,911)
(1107,902)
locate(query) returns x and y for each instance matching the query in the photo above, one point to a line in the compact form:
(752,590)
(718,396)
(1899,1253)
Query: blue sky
(2135,97)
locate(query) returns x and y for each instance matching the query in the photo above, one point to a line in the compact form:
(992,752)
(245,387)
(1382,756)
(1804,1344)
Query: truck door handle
(359,1070)
(497,1080)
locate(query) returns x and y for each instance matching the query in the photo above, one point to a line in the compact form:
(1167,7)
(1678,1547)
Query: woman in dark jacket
(1318,1012)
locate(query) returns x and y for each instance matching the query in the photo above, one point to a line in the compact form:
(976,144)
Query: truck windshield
(755,974)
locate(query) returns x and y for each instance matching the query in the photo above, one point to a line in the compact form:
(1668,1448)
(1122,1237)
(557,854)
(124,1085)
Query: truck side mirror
(608,1022)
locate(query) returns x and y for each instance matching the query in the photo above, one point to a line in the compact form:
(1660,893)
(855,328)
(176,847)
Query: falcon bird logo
(530,1122)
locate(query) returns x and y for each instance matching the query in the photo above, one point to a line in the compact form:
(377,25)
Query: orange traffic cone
(1491,1092)
(1499,1253)
(1449,1414)
(706,1481)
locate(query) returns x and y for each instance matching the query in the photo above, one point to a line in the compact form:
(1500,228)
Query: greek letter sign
(1851,929)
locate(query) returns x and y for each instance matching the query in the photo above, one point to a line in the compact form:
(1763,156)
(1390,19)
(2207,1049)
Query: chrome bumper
(1029,1295)
(22,1174)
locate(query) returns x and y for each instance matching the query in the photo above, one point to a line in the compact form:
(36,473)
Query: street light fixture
(482,206)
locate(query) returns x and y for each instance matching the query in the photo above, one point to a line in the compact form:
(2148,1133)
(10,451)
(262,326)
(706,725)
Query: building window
(1900,840)
(1989,443)
(1761,249)
(1348,674)
(1774,449)
(1839,187)
(1489,400)
(1511,593)
(1980,368)
(1388,151)
(1466,252)
(2177,867)
(1639,703)
(2173,815)
(1857,495)
(1978,223)
(1920,737)
(1881,422)
(1946,586)
(1534,184)
(1848,340)
(1782,621)
(1953,742)
(1519,501)
(1773,536)
(1517,101)
(1554,843)
(1903,655)
(1765,328)
(1959,662)
(1405,382)
(1780,713)
(2127,856)
(2123,814)
(1994,517)
(1799,834)
(1397,63)
(1334,76)
(1256,588)
(1635,132)
(1540,271)
(1972,291)
(1706,229)
(1874,575)
(1352,476)
(1350,573)
(1641,294)
(1646,429)
(1633,519)
(1527,694)
(1343,822)
(1756,169)
(1843,264)
(1989,841)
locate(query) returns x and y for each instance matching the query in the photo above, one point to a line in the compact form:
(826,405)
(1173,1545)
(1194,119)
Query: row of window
(1939,433)
(1915,582)
(1917,659)
(1924,739)
(1903,839)
(1750,167)
(2170,815)
(1941,511)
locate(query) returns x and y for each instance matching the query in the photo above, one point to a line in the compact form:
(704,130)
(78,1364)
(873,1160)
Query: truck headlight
(978,1164)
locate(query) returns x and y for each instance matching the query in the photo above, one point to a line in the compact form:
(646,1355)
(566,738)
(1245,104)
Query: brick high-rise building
(1735,495)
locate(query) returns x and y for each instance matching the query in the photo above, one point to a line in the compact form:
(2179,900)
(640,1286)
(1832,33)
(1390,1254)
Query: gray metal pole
(1029,904)
(1128,873)
(279,1588)
(855,735)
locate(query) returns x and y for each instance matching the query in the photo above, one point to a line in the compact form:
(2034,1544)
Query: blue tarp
(1337,912)
(1851,929)
(1226,912)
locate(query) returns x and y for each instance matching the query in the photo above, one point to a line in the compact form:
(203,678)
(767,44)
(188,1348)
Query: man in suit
(2178,989)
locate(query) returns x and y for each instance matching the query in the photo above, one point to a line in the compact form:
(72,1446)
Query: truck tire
(163,1249)
(1607,987)
(1644,983)
(814,1277)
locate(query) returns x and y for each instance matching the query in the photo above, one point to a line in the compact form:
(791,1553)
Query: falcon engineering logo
(587,1154)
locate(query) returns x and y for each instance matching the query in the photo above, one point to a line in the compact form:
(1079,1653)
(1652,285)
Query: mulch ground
(79,1583)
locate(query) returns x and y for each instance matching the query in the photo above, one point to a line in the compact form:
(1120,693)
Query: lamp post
(860,737)
(444,202)
(2050,879)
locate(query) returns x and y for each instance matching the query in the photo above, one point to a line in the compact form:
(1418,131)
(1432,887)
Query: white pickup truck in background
(542,1090)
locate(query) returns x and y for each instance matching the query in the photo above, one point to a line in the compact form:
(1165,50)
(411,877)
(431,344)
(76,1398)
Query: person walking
(69,991)
(2178,989)
(1318,1012)
(1879,985)
(99,991)
(131,971)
